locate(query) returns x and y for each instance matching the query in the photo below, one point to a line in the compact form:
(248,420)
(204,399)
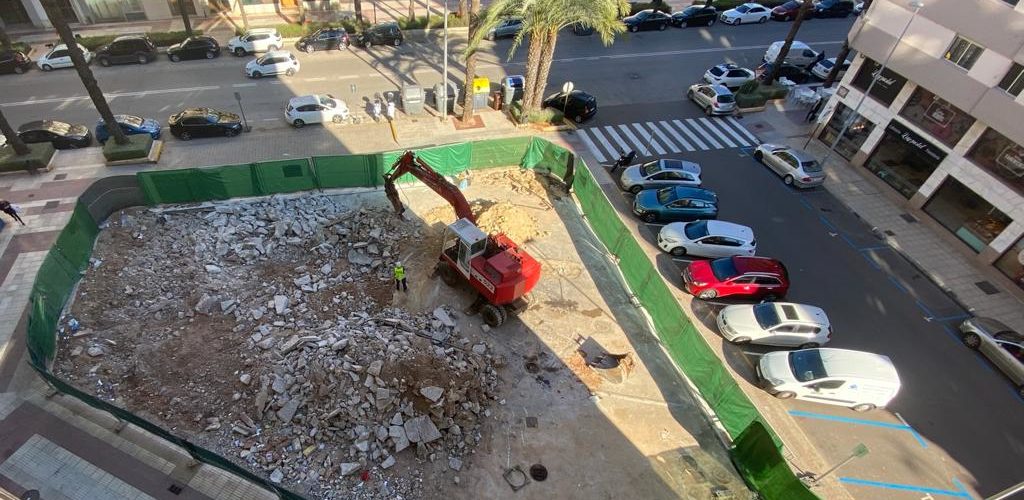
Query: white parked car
(280,62)
(660,173)
(255,40)
(707,238)
(746,13)
(822,68)
(318,108)
(859,380)
(60,57)
(775,323)
(3,140)
(728,74)
(800,54)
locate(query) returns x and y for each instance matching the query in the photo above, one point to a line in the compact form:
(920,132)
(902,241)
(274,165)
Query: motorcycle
(625,160)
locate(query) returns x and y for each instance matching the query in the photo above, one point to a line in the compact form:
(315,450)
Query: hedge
(635,7)
(292,30)
(38,157)
(159,38)
(543,116)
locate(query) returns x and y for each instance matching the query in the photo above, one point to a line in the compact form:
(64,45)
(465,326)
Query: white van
(800,54)
(859,380)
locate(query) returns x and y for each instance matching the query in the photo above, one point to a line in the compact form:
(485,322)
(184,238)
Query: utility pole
(444,82)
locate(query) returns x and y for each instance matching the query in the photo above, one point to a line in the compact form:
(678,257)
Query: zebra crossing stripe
(646,134)
(607,145)
(696,127)
(629,135)
(663,138)
(743,130)
(675,135)
(732,131)
(709,125)
(693,137)
(618,140)
(590,145)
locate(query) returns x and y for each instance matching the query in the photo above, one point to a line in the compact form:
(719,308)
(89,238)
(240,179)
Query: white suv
(272,63)
(318,108)
(255,40)
(60,57)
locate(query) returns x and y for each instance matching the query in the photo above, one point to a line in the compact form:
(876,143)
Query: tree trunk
(12,137)
(84,73)
(530,104)
(834,73)
(462,9)
(357,5)
(544,66)
(412,10)
(474,26)
(800,15)
(245,18)
(184,16)
(5,41)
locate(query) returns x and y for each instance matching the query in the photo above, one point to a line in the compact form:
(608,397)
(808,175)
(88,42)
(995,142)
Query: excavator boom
(408,163)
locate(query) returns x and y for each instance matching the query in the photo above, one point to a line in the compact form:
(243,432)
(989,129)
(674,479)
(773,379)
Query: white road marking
(710,125)
(752,137)
(590,145)
(243,85)
(316,79)
(109,96)
(646,134)
(663,138)
(728,128)
(686,130)
(607,145)
(675,135)
(699,129)
(618,140)
(636,142)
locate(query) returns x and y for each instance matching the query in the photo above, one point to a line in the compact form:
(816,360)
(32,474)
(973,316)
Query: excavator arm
(408,163)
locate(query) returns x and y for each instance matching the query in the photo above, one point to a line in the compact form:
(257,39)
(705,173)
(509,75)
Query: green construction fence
(756,450)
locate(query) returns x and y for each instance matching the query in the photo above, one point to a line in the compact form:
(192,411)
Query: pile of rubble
(264,328)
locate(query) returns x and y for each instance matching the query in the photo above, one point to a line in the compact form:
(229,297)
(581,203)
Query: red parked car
(753,277)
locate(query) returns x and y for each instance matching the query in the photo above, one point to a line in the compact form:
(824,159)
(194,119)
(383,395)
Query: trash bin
(512,88)
(412,99)
(481,91)
(444,101)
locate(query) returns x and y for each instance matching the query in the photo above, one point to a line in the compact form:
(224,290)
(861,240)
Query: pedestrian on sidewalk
(391,110)
(400,283)
(7,208)
(376,108)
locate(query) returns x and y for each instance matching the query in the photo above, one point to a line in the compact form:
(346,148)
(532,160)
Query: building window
(855,134)
(1013,82)
(939,118)
(963,52)
(903,159)
(972,219)
(1011,263)
(886,88)
(1000,157)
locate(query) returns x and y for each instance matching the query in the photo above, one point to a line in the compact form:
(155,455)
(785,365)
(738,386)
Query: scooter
(625,160)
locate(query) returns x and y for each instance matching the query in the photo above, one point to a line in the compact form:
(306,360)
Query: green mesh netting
(348,171)
(285,176)
(766,470)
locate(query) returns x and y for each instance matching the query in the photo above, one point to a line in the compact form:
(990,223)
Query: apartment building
(943,124)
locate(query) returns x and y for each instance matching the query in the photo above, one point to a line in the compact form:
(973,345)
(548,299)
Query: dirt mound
(501,217)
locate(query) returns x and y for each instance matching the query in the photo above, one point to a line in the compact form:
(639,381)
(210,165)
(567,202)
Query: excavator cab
(462,242)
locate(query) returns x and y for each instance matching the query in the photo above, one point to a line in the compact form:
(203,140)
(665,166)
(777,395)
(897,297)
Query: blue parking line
(929,315)
(872,249)
(806,203)
(898,285)
(871,261)
(951,318)
(828,224)
(860,421)
(849,241)
(953,334)
(960,492)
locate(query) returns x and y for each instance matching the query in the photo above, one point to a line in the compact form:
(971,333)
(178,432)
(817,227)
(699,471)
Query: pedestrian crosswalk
(666,136)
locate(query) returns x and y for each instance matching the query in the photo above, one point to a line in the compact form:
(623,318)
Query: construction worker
(400,283)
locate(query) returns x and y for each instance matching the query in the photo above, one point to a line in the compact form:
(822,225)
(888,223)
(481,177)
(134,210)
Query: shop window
(931,113)
(1013,82)
(1000,157)
(1011,263)
(903,159)
(856,133)
(963,52)
(888,84)
(972,219)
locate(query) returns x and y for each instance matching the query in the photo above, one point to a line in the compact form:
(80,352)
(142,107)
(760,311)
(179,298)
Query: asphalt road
(645,67)
(957,426)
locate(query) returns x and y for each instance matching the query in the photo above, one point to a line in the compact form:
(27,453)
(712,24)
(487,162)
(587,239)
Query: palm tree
(19,147)
(84,73)
(461,12)
(412,11)
(474,26)
(357,5)
(184,17)
(800,15)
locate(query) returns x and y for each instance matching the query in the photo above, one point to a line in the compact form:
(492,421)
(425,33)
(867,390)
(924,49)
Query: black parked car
(61,135)
(380,34)
(833,8)
(580,106)
(649,19)
(796,74)
(323,39)
(127,50)
(197,47)
(204,122)
(695,16)
(12,61)
(580,29)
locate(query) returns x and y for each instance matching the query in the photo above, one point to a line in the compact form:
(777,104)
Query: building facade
(943,123)
(16,13)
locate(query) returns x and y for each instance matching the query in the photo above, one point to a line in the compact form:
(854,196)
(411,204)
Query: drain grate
(60,177)
(889,232)
(909,218)
(51,204)
(987,287)
(175,489)
(538,472)
(531,422)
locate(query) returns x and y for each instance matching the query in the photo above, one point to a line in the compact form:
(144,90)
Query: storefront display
(904,159)
(1012,263)
(942,120)
(1000,157)
(887,87)
(854,136)
(972,219)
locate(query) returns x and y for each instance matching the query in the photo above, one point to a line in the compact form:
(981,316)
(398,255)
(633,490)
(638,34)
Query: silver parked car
(795,166)
(505,29)
(707,238)
(775,323)
(714,99)
(1001,345)
(659,174)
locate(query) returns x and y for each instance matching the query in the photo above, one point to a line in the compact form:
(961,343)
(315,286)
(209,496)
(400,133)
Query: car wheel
(257,74)
(143,59)
(972,340)
(290,72)
(298,124)
(19,70)
(708,294)
(785,395)
(636,189)
(769,298)
(239,52)
(210,55)
(662,27)
(578,118)
(711,23)
(175,58)
(185,136)
(810,345)
(762,20)
(788,180)
(271,48)
(336,119)
(308,49)
(863,407)
(47,67)
(104,61)
(634,29)
(759,156)
(230,132)
(741,340)
(678,251)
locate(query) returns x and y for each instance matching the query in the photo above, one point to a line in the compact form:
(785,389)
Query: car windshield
(723,269)
(766,315)
(811,166)
(213,117)
(725,98)
(134,121)
(742,9)
(691,11)
(696,230)
(807,365)
(666,195)
(717,71)
(650,168)
(827,64)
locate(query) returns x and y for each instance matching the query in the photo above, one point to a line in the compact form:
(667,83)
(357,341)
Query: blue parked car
(131,125)
(678,203)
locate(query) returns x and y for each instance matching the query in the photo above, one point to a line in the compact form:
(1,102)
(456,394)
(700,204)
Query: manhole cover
(538,472)
(532,367)
(531,422)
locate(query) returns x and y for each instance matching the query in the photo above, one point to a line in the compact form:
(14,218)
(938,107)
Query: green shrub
(137,148)
(435,22)
(748,88)
(544,116)
(773,91)
(38,158)
(159,38)
(635,7)
(20,47)
(750,100)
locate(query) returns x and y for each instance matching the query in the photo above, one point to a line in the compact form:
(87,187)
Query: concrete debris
(349,468)
(245,378)
(277,476)
(444,317)
(432,393)
(95,351)
(388,462)
(454,463)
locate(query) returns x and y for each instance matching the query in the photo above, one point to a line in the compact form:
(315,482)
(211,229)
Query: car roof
(674,164)
(720,89)
(196,112)
(764,265)
(801,155)
(277,53)
(695,193)
(261,31)
(131,37)
(303,100)
(730,229)
(865,365)
(801,313)
(41,125)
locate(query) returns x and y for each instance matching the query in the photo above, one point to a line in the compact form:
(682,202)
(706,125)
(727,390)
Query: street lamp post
(914,4)
(444,82)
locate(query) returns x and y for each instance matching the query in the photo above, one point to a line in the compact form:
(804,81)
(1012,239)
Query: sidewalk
(917,237)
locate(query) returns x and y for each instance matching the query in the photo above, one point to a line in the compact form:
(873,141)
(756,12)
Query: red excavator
(500,271)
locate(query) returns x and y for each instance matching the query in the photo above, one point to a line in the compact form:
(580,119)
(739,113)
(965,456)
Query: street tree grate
(987,287)
(909,218)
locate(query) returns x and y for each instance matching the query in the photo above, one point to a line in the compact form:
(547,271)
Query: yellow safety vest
(399,273)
